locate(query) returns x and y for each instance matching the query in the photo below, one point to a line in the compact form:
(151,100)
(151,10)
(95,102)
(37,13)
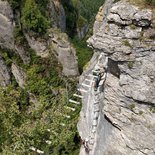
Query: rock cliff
(6,25)
(5,78)
(118,118)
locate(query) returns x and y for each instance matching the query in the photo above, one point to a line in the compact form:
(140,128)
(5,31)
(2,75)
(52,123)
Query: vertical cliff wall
(118,117)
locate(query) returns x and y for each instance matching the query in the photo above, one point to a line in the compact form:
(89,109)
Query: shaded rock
(143,18)
(25,56)
(57,14)
(19,75)
(5,78)
(6,25)
(81,32)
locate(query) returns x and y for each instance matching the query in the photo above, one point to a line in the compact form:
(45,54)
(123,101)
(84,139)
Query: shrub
(130,64)
(15,3)
(32,19)
(126,43)
(150,2)
(132,106)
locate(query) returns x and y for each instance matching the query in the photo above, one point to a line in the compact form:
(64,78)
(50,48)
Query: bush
(130,64)
(126,43)
(150,2)
(132,106)
(32,19)
(15,4)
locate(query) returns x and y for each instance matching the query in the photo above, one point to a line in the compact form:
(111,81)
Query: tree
(32,19)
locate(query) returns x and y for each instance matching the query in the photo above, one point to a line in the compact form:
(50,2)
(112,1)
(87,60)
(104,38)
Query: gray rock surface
(6,25)
(57,14)
(40,46)
(5,78)
(126,121)
(65,52)
(19,75)
(24,54)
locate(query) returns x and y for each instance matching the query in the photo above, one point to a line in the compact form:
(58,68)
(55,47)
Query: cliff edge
(118,115)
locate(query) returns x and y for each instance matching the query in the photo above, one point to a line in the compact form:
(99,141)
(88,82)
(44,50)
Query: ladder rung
(70,108)
(89,80)
(72,101)
(83,84)
(67,116)
(62,124)
(82,90)
(37,150)
(48,142)
(90,75)
(76,95)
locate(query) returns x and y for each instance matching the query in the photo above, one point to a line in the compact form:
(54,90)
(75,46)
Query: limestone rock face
(24,54)
(6,25)
(65,53)
(4,74)
(126,121)
(40,46)
(57,14)
(19,75)
(57,43)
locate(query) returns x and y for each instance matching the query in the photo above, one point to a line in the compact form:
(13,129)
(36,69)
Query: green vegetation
(33,115)
(126,43)
(83,52)
(132,106)
(89,8)
(32,19)
(140,112)
(130,64)
(71,17)
(150,2)
(132,26)
(152,109)
(30,120)
(15,4)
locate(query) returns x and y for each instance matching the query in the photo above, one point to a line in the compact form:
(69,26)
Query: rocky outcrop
(5,78)
(126,121)
(24,54)
(81,32)
(6,25)
(57,14)
(19,75)
(40,46)
(58,44)
(65,53)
